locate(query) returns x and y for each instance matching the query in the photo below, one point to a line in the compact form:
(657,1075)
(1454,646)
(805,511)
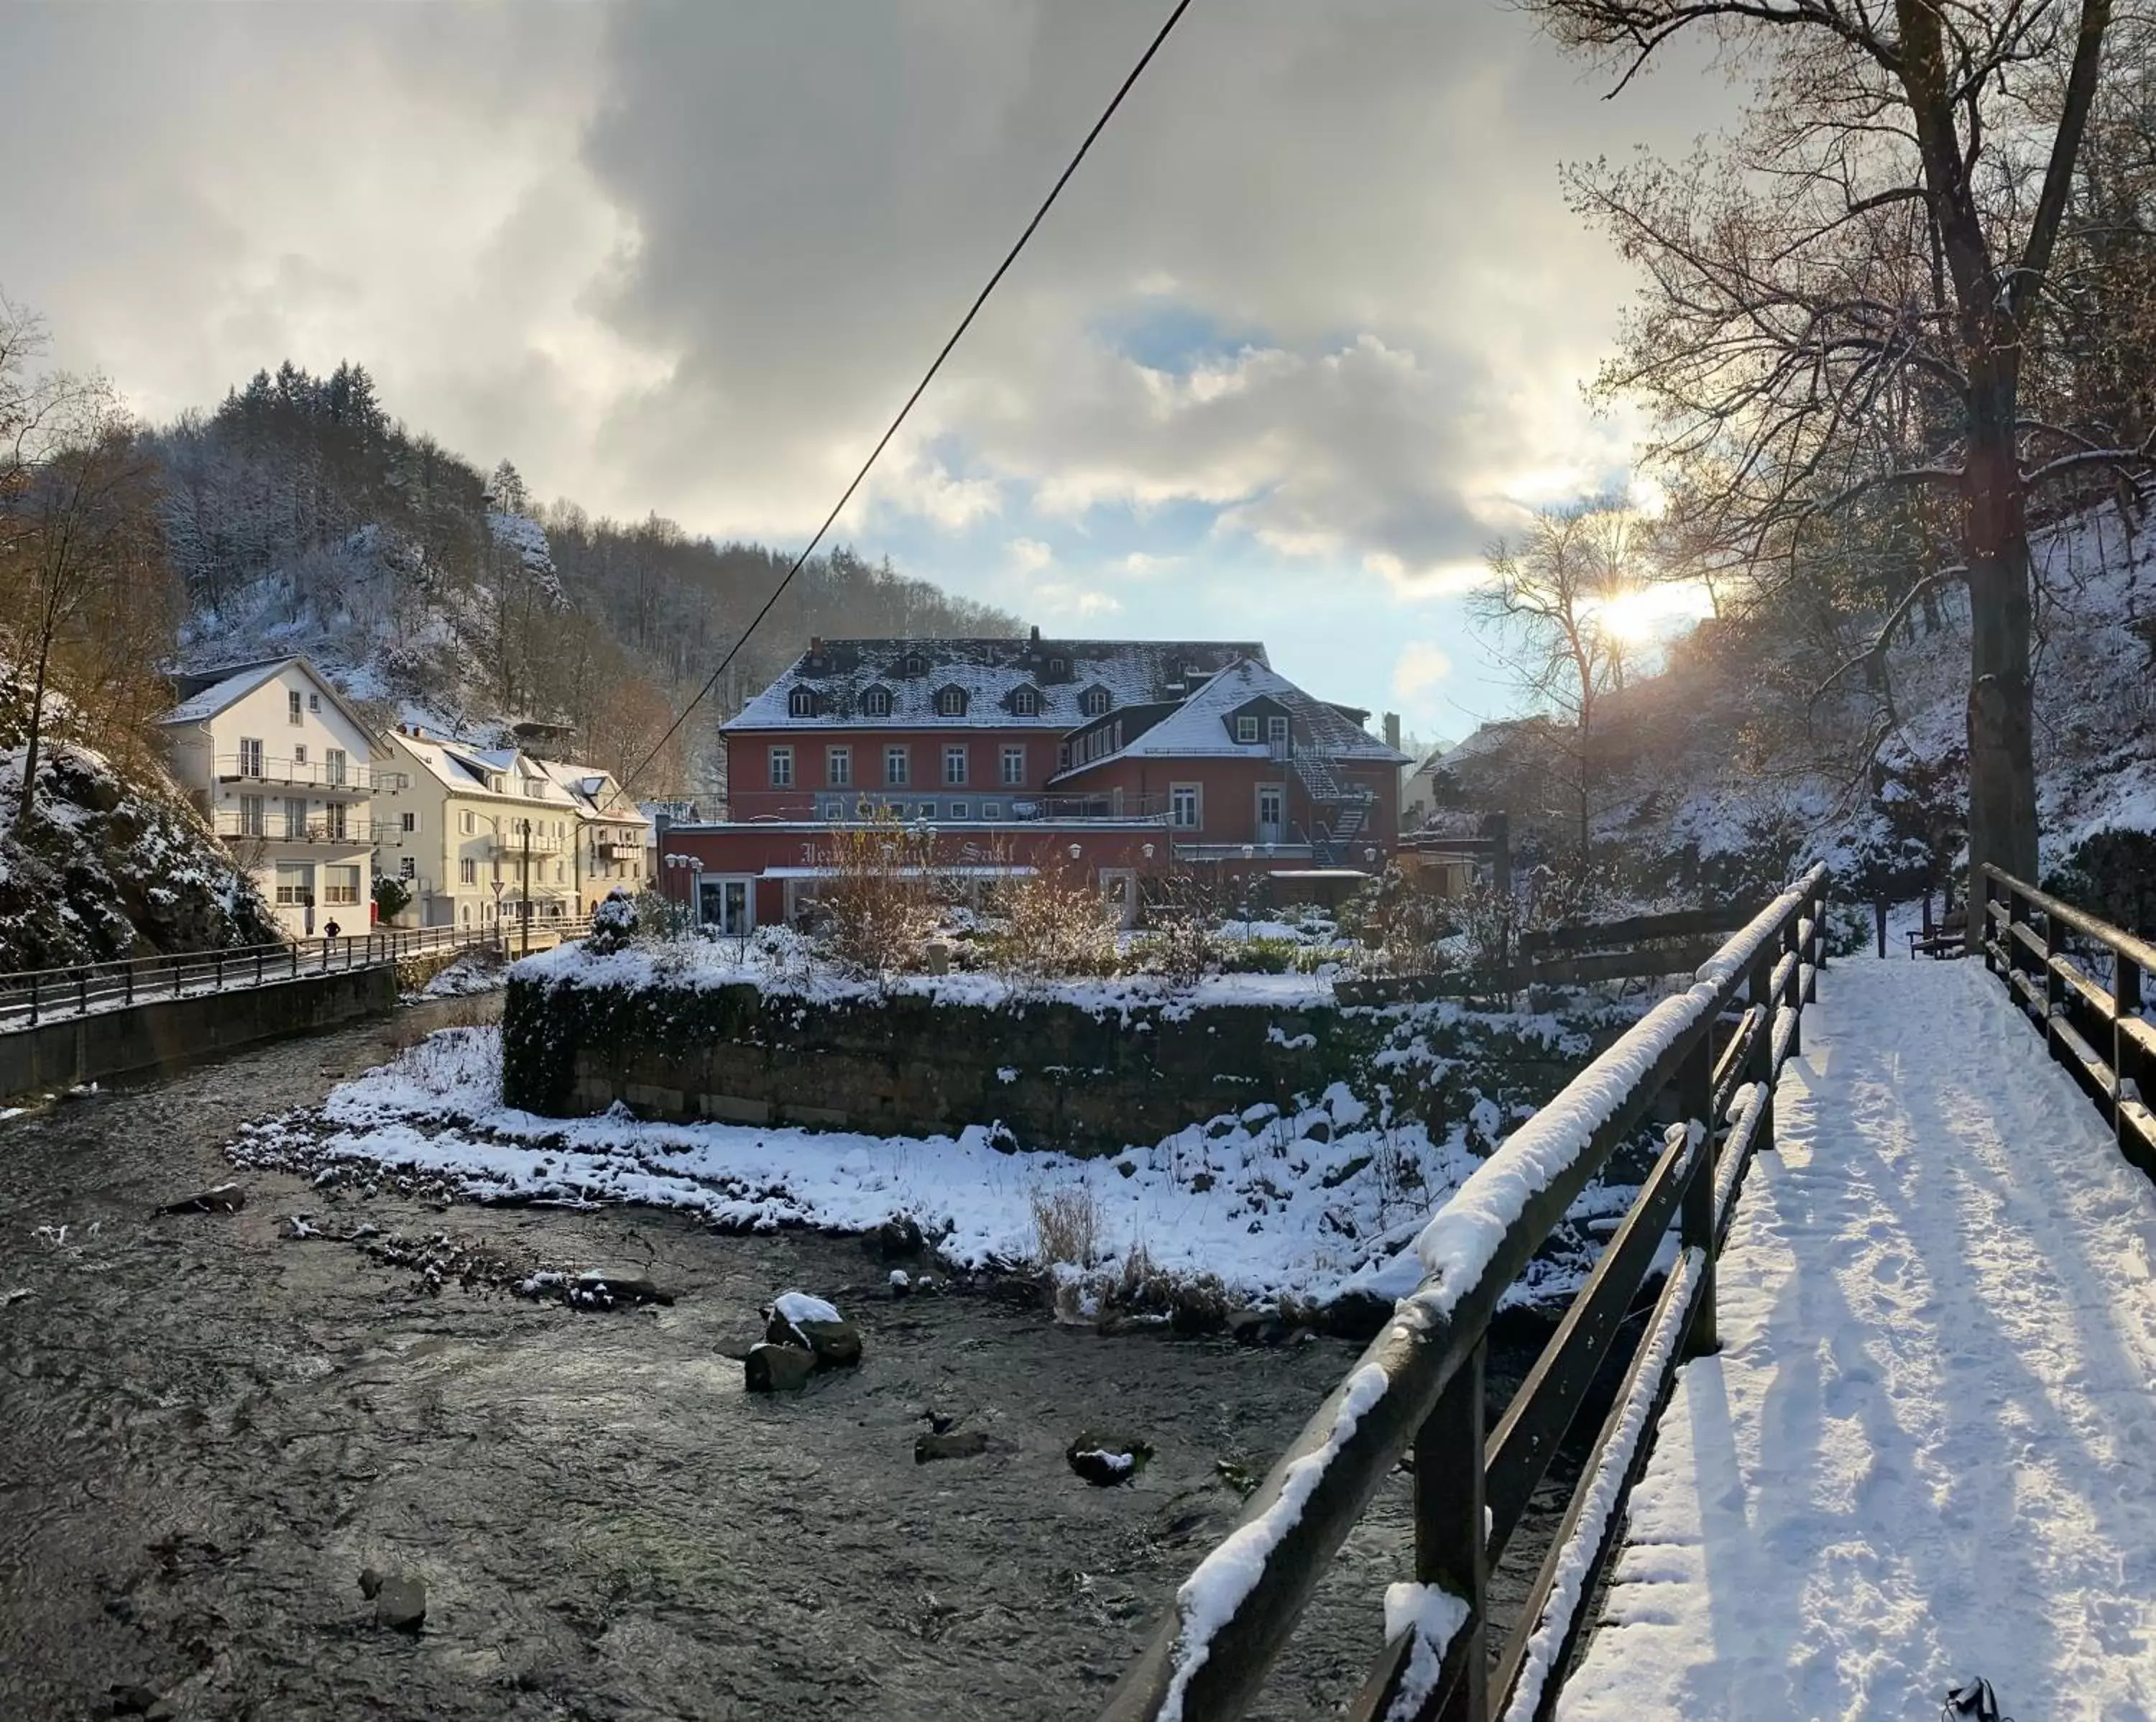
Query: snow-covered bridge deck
(1927,1445)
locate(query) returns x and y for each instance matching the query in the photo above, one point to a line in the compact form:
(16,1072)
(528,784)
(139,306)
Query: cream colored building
(290,775)
(613,835)
(474,832)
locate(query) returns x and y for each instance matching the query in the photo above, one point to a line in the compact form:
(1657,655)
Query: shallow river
(210,1429)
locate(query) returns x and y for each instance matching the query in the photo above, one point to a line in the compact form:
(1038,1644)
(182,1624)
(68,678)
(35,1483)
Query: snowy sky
(1307,330)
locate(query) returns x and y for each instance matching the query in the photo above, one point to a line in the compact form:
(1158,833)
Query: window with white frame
(992,810)
(299,753)
(1277,731)
(782,768)
(838,767)
(468,870)
(1185,806)
(801,703)
(1246,727)
(295,883)
(1095,703)
(250,816)
(292,713)
(1026,702)
(958,810)
(1013,769)
(333,821)
(926,811)
(897,765)
(875,702)
(336,766)
(951,702)
(341,887)
(468,821)
(313,702)
(407,868)
(954,763)
(250,757)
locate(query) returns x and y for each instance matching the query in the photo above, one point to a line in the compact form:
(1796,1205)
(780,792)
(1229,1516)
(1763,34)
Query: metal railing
(28,997)
(235,826)
(351,777)
(1418,1386)
(2100,1032)
(507,845)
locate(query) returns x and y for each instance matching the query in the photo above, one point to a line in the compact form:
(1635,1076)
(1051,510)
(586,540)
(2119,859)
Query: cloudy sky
(1308,328)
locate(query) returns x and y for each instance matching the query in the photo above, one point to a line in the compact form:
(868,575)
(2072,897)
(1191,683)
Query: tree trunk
(2002,770)
(30,792)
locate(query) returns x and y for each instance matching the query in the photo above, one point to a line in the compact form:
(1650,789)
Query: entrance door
(724,904)
(1272,813)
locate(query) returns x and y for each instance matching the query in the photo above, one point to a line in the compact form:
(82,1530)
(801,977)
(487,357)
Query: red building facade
(1119,760)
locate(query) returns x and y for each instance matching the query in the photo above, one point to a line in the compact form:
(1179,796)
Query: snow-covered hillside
(1727,777)
(389,628)
(111,863)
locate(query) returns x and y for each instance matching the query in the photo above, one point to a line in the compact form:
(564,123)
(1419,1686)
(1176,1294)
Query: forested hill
(300,516)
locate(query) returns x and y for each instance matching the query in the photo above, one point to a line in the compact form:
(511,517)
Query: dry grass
(1066,1221)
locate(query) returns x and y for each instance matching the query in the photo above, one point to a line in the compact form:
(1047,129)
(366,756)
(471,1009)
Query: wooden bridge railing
(1420,1384)
(2099,1033)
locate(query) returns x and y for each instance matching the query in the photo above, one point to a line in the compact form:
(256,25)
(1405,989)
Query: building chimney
(815,646)
(1392,730)
(1036,634)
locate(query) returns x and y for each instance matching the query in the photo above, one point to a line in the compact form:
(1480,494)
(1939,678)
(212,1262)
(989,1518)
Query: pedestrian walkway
(1928,1447)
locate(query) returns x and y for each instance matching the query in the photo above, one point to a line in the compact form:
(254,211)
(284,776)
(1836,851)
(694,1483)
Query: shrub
(1051,929)
(1181,946)
(880,904)
(614,923)
(1400,922)
(1259,956)
(392,897)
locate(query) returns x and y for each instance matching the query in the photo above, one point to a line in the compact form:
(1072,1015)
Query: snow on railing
(1419,1383)
(2102,1035)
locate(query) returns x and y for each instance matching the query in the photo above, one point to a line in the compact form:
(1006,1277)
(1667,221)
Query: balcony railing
(349,778)
(508,845)
(235,826)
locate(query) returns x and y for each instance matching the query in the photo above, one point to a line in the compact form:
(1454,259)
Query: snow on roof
(210,691)
(592,790)
(205,693)
(468,770)
(1200,727)
(988,672)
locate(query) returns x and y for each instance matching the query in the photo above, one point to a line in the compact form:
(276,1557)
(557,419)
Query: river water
(210,1428)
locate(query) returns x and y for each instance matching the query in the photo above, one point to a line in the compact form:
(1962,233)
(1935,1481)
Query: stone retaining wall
(165,1032)
(1054,1074)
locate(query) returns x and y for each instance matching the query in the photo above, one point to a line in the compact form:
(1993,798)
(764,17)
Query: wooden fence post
(1695,1213)
(1451,1543)
(2127,1065)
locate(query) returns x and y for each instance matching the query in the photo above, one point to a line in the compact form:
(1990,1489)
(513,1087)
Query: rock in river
(224,1198)
(1104,1460)
(796,1319)
(777,1368)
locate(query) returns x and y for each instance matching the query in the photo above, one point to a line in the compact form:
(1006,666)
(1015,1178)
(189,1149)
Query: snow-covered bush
(1051,929)
(614,923)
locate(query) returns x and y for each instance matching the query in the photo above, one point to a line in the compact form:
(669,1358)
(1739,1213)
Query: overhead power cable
(919,389)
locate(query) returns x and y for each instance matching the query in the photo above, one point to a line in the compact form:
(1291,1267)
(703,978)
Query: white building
(612,835)
(288,772)
(476,832)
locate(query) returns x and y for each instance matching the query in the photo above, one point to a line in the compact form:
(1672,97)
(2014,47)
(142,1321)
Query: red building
(1120,759)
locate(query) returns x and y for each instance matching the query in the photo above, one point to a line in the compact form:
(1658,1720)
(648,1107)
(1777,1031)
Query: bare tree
(1546,596)
(1851,299)
(81,568)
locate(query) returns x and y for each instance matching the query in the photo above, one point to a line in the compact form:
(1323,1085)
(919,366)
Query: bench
(1948,939)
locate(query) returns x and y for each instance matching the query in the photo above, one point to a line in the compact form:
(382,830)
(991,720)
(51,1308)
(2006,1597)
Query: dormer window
(1059,666)
(1246,728)
(1095,703)
(913,665)
(875,702)
(951,702)
(801,703)
(1026,702)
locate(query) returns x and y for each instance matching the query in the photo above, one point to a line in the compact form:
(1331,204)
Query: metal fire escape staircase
(1351,805)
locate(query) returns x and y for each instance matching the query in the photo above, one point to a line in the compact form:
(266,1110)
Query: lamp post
(690,866)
